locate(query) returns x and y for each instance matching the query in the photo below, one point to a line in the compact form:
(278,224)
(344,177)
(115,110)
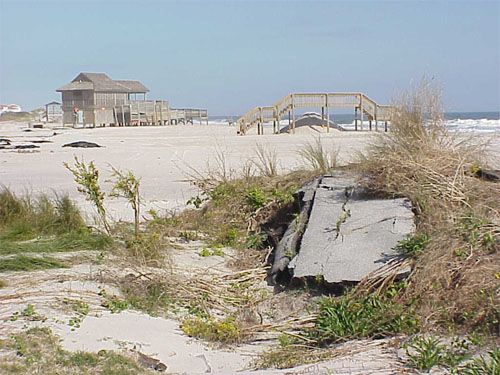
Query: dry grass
(37,351)
(456,279)
(318,158)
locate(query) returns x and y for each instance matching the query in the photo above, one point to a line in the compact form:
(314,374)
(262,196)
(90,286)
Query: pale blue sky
(230,56)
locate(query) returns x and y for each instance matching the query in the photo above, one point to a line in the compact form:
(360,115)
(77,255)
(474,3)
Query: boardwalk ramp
(363,106)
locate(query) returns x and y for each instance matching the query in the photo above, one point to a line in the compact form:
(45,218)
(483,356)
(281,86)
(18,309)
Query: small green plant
(225,331)
(126,185)
(206,252)
(256,240)
(413,245)
(87,178)
(28,312)
(113,303)
(425,352)
(81,310)
(256,198)
(488,364)
(344,318)
(3,283)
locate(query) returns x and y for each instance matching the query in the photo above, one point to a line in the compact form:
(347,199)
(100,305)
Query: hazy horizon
(231,56)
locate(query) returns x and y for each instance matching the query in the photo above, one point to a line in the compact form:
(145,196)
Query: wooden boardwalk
(155,112)
(364,107)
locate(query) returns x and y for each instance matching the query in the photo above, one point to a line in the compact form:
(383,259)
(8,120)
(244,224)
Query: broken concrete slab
(348,235)
(288,246)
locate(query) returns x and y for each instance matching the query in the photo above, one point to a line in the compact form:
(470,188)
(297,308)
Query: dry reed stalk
(458,271)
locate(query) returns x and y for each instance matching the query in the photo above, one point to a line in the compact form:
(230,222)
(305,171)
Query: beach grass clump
(26,263)
(346,318)
(76,240)
(37,351)
(25,217)
(317,157)
(458,215)
(267,163)
(44,225)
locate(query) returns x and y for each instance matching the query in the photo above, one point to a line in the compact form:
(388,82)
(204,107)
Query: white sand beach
(162,157)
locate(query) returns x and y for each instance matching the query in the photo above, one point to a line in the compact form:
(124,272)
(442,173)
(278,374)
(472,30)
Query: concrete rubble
(347,235)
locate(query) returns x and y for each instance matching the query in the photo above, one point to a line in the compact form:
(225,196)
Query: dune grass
(458,214)
(37,351)
(25,263)
(44,225)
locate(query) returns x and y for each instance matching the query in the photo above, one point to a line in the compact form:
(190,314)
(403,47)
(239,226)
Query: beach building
(53,112)
(94,99)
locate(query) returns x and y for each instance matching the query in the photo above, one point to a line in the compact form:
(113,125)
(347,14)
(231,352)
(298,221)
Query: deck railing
(288,103)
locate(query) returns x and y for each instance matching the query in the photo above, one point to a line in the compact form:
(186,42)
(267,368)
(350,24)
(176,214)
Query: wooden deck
(362,104)
(155,112)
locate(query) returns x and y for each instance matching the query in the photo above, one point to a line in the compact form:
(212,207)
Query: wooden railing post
(327,114)
(293,116)
(356,118)
(361,111)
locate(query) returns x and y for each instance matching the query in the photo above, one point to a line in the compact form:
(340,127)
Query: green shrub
(413,245)
(256,198)
(225,331)
(345,318)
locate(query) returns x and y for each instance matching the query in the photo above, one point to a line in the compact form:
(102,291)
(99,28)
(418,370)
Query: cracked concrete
(349,236)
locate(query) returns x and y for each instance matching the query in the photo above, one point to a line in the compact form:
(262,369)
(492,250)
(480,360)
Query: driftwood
(290,241)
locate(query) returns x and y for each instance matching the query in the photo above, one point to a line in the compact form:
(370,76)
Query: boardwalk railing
(155,112)
(366,106)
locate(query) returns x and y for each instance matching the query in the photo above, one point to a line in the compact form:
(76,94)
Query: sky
(231,56)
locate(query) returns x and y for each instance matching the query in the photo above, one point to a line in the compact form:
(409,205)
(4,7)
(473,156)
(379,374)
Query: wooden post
(356,118)
(385,125)
(327,114)
(322,116)
(293,116)
(361,111)
(138,115)
(289,123)
(277,121)
(370,123)
(123,116)
(261,122)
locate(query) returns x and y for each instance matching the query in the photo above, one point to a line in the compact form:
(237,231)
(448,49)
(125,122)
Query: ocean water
(465,122)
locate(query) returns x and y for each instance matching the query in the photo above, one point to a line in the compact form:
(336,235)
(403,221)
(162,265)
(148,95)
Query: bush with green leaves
(126,185)
(87,178)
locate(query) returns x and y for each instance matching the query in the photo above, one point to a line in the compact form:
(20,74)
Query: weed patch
(24,263)
(37,351)
(346,318)
(226,331)
(82,239)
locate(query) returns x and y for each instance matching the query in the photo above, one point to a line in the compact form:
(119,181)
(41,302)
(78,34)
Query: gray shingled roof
(133,86)
(100,82)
